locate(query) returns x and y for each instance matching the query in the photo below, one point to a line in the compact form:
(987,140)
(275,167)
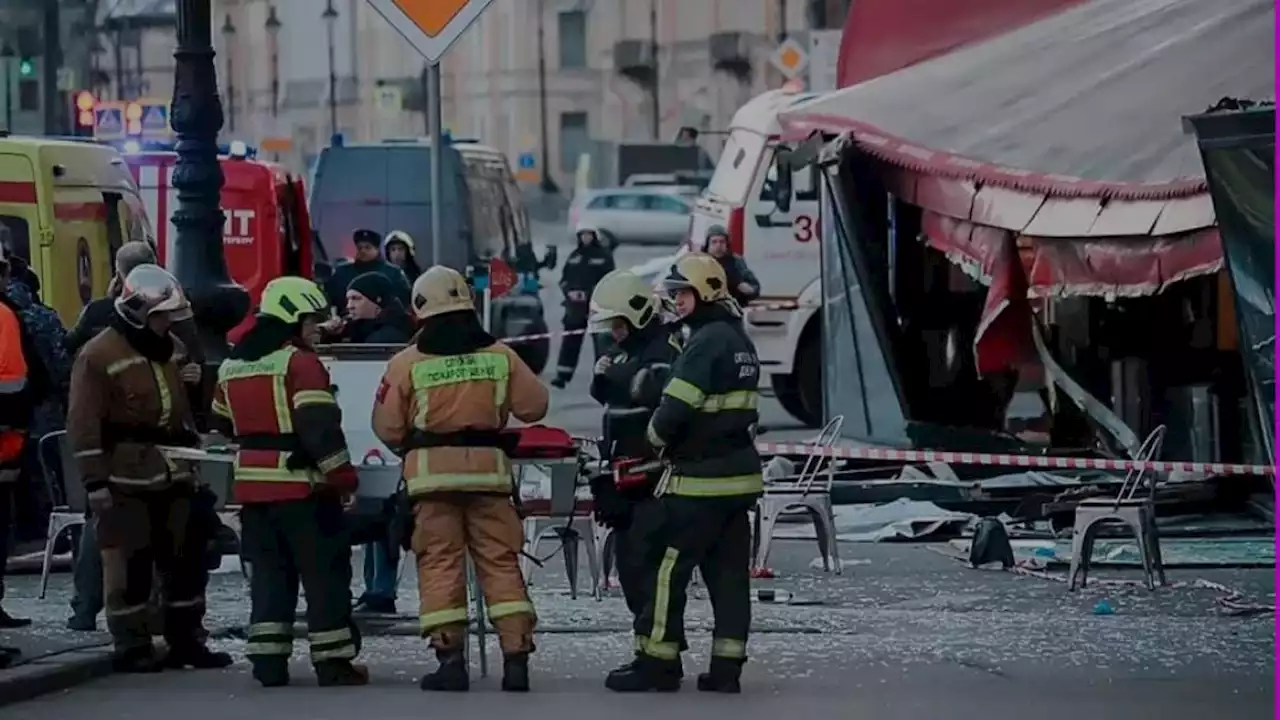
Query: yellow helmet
(700,273)
(290,299)
(440,290)
(623,294)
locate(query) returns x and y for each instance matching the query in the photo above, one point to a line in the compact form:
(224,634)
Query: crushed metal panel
(1006,208)
(1127,217)
(1064,217)
(944,195)
(1181,215)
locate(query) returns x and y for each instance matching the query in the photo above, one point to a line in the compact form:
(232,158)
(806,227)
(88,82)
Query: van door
(351,192)
(20,213)
(86,225)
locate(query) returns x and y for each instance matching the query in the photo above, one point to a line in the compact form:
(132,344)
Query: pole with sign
(431,26)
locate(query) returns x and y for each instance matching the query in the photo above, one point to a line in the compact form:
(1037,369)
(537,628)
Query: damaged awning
(1067,134)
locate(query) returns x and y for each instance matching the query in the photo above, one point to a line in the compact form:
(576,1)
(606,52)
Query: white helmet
(150,289)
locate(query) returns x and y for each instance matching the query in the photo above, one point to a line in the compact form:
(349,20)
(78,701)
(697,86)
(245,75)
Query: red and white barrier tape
(1018,461)
(759,307)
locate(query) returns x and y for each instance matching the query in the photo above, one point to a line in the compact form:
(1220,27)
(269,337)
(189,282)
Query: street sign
(389,99)
(501,278)
(790,58)
(527,161)
(108,122)
(155,118)
(430,26)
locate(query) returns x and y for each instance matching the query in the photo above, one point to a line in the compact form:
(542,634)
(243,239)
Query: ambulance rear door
(20,211)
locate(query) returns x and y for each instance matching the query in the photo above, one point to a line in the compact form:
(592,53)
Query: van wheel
(808,368)
(788,395)
(535,354)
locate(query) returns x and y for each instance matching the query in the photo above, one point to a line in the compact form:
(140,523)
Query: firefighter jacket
(706,420)
(444,412)
(286,421)
(583,269)
(24,382)
(626,416)
(127,398)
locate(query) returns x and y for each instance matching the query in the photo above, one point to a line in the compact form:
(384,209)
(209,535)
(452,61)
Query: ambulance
(266,230)
(781,248)
(66,206)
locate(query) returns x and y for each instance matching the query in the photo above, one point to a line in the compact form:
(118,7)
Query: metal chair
(803,494)
(1139,513)
(554,518)
(65,489)
(480,628)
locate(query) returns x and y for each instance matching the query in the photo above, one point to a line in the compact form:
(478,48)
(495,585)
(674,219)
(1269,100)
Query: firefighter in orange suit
(127,399)
(441,405)
(292,477)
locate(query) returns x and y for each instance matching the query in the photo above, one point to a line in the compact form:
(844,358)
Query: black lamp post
(7,54)
(548,185)
(196,112)
(330,20)
(273,32)
(228,36)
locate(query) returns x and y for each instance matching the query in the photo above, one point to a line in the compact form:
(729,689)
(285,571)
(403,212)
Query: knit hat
(375,286)
(367,237)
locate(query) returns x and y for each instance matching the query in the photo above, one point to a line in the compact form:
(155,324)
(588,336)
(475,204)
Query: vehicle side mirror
(550,258)
(782,189)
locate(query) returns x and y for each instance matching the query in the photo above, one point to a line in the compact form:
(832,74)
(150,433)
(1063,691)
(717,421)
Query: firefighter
(441,405)
(126,400)
(705,428)
(743,285)
(292,477)
(624,305)
(587,264)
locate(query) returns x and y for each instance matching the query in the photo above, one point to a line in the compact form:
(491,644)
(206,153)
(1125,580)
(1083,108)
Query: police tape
(1039,462)
(758,307)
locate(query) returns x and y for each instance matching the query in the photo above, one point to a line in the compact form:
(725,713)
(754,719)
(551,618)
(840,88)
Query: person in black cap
(374,314)
(368,259)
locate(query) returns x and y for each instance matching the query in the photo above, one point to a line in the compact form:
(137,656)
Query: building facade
(276,58)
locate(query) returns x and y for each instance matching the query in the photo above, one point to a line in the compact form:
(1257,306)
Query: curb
(410,628)
(52,673)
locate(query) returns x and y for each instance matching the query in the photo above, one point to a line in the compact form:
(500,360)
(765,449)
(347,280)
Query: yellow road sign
(790,58)
(430,26)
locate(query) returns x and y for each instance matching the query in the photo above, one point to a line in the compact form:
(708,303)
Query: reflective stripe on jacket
(282,410)
(443,394)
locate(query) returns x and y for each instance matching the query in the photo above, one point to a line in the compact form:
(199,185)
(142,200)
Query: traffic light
(133,119)
(85,117)
(26,67)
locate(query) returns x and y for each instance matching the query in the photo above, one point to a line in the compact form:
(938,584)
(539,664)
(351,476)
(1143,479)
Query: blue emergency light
(235,148)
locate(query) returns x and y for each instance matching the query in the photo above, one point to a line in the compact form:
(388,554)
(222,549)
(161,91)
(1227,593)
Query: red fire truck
(267,231)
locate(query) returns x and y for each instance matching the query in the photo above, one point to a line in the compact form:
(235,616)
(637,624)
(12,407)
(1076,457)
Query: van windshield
(736,170)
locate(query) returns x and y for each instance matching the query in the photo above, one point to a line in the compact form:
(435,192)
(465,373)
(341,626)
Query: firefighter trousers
(292,542)
(147,534)
(713,535)
(449,526)
(634,552)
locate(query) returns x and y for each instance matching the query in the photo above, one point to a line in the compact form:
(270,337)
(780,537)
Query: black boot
(271,673)
(9,622)
(515,673)
(560,382)
(333,673)
(197,656)
(137,660)
(723,677)
(645,674)
(451,676)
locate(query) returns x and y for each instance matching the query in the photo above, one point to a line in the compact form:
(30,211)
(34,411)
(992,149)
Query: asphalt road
(572,408)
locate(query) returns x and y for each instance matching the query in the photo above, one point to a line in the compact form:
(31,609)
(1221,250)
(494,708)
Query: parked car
(641,215)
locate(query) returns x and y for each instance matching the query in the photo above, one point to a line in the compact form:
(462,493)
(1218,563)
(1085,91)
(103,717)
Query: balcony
(634,60)
(731,53)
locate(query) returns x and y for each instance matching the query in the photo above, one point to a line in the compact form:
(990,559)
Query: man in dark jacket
(98,314)
(587,264)
(743,285)
(368,259)
(625,305)
(374,314)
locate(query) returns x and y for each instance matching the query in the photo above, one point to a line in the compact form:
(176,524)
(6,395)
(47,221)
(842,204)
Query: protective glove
(100,501)
(603,365)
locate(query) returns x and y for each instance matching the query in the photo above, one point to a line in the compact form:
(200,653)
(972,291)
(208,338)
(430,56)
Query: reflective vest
(457,459)
(13,387)
(260,409)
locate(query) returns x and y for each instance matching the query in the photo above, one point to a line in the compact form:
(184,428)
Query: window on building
(573,39)
(575,139)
